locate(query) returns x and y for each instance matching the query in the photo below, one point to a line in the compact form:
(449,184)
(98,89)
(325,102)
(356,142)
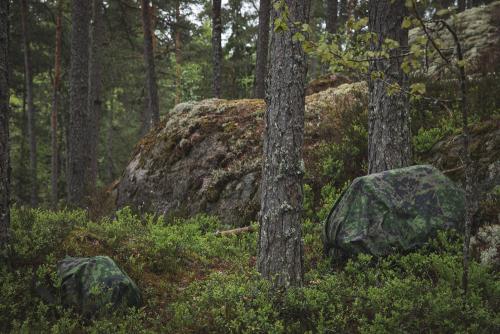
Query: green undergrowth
(196,282)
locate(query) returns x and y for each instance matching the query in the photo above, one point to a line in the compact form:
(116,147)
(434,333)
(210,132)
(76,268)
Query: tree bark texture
(280,257)
(4,126)
(462,5)
(216,47)
(54,196)
(109,145)
(331,16)
(95,89)
(389,138)
(153,113)
(178,54)
(28,77)
(342,16)
(262,50)
(79,122)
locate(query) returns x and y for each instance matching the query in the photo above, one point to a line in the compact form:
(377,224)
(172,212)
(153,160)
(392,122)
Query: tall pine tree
(78,121)
(216,47)
(280,256)
(95,99)
(4,127)
(389,141)
(28,77)
(262,49)
(153,110)
(54,196)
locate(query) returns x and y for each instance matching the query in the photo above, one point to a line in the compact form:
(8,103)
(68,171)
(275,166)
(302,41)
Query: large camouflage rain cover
(93,284)
(396,210)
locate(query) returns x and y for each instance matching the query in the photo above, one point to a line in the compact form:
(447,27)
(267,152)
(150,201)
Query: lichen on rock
(207,156)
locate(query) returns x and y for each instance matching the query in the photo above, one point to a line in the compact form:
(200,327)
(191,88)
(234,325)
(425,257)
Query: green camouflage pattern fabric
(396,210)
(94,284)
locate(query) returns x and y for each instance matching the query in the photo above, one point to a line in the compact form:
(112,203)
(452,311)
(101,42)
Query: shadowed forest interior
(249,166)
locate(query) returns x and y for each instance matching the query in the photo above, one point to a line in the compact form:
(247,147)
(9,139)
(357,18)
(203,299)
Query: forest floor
(193,281)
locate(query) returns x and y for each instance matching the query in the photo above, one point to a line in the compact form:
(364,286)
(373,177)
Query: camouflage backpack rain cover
(396,210)
(90,284)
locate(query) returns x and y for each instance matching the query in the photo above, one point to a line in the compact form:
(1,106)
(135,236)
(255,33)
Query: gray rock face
(207,156)
(485,152)
(204,159)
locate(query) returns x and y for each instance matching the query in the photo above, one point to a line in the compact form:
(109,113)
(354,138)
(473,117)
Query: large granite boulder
(396,210)
(92,284)
(206,157)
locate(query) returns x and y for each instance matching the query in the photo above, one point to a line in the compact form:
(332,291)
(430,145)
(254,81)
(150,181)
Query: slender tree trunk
(28,76)
(216,47)
(55,108)
(332,16)
(280,257)
(178,54)
(262,50)
(154,18)
(145,121)
(79,124)
(4,127)
(470,199)
(64,140)
(238,51)
(95,89)
(153,106)
(351,9)
(462,5)
(23,194)
(342,16)
(109,144)
(389,138)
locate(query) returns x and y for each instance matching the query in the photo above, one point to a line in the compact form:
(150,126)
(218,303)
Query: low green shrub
(196,282)
(401,294)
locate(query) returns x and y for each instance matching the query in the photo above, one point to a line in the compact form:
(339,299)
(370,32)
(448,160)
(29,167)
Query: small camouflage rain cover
(93,284)
(396,210)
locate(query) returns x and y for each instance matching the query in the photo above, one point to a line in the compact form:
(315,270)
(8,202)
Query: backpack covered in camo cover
(95,284)
(395,210)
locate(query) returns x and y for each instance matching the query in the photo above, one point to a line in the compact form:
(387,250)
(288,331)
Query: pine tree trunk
(280,257)
(238,52)
(262,50)
(109,144)
(389,138)
(55,108)
(23,194)
(216,47)
(178,54)
(95,89)
(331,16)
(79,124)
(153,106)
(461,5)
(28,76)
(351,8)
(343,16)
(4,127)
(145,117)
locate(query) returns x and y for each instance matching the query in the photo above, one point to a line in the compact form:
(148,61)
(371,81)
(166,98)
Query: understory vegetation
(194,281)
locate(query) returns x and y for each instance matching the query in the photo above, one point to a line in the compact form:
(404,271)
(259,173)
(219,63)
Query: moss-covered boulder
(206,156)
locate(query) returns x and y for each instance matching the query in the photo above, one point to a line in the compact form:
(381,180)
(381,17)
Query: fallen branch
(236,231)
(453,169)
